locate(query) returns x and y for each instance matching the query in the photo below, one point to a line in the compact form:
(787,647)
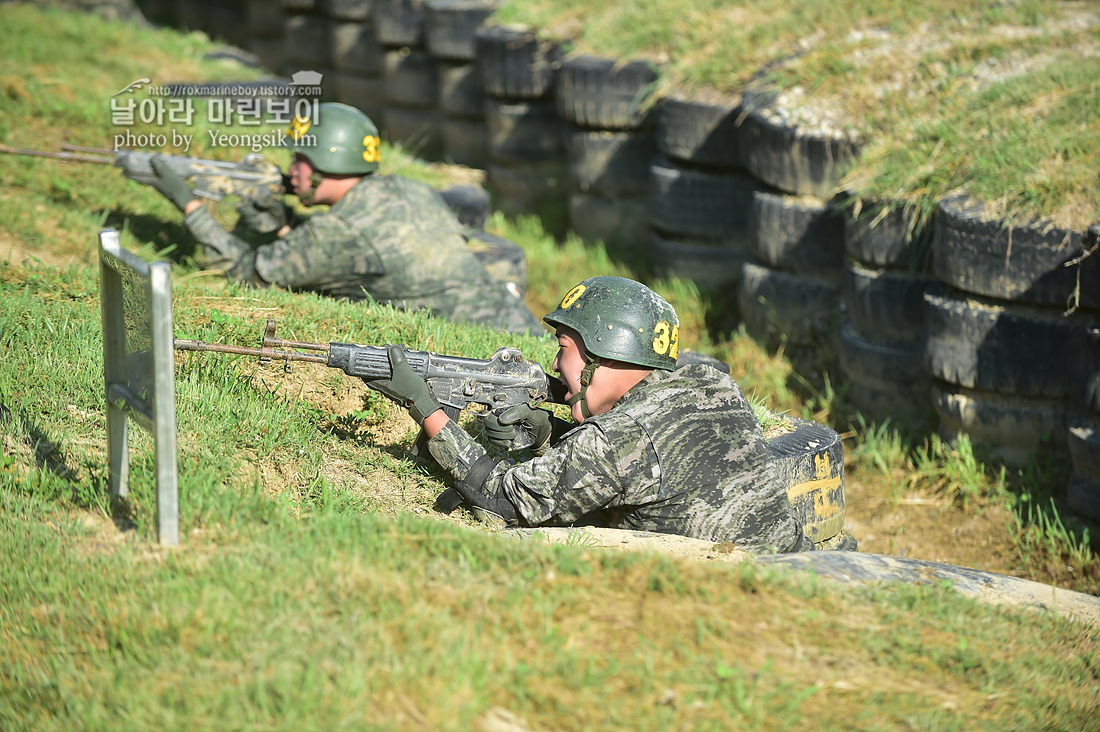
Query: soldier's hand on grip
(502,426)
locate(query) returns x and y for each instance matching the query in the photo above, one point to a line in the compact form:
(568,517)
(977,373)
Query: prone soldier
(384,237)
(652,447)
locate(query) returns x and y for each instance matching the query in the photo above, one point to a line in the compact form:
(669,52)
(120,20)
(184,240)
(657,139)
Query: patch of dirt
(624,540)
(927,526)
(17,253)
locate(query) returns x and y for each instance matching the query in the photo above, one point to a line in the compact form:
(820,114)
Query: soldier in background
(384,237)
(653,447)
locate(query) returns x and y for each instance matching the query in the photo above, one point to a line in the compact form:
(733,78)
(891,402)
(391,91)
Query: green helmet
(622,320)
(341,141)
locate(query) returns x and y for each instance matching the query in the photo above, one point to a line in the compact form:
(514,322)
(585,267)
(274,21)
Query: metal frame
(155,412)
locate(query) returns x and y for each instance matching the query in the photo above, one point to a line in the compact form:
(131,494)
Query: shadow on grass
(170,239)
(86,489)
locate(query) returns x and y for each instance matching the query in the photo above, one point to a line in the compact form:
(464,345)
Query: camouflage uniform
(680,453)
(389,238)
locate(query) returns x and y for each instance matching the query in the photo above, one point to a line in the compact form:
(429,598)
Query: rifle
(456,382)
(253,178)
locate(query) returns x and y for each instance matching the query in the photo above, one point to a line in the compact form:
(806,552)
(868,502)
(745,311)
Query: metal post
(114,366)
(155,411)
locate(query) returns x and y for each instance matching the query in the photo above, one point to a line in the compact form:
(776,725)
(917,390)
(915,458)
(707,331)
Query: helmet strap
(586,381)
(315,179)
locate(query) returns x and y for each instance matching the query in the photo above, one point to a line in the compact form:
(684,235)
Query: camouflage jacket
(680,453)
(391,239)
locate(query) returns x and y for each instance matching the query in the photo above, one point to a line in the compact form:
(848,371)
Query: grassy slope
(310,594)
(1000,99)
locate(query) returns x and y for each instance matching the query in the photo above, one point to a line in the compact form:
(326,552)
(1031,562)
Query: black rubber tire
(886,305)
(1083,435)
(308,39)
(523,132)
(1089,378)
(271,50)
(612,164)
(347,9)
(712,267)
(695,204)
(884,234)
(979,253)
(1011,428)
(450,26)
(355,49)
(799,234)
(365,93)
(621,221)
(465,142)
(525,188)
(809,463)
(515,62)
(460,91)
(469,202)
(886,382)
(505,260)
(702,129)
(793,159)
(1083,497)
(399,22)
(999,346)
(412,79)
(418,131)
(604,93)
(1083,490)
(227,21)
(802,309)
(266,20)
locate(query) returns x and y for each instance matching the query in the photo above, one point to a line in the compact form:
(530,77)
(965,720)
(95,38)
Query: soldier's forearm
(221,250)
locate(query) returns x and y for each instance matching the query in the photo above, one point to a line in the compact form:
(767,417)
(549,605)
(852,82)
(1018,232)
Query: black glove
(406,387)
(500,426)
(171,184)
(265,215)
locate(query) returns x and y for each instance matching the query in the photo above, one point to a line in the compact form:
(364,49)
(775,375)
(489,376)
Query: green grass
(314,588)
(359,621)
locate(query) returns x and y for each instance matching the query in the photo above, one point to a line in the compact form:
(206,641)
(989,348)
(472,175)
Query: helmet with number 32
(340,141)
(623,320)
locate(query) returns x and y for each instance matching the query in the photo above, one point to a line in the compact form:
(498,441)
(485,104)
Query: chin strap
(315,179)
(586,380)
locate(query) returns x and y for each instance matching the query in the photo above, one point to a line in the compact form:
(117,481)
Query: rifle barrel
(78,148)
(182,344)
(60,155)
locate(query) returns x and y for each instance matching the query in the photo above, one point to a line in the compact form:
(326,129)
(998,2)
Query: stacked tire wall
(984,326)
(524,139)
(791,289)
(1083,420)
(881,345)
(1005,329)
(605,107)
(700,193)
